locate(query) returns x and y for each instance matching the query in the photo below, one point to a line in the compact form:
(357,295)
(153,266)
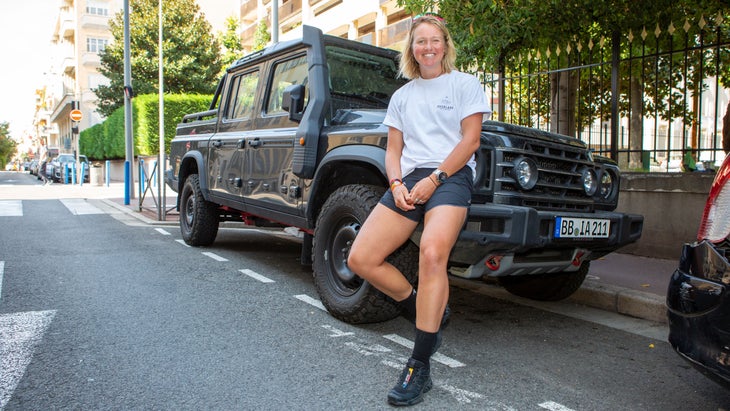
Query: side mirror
(292,100)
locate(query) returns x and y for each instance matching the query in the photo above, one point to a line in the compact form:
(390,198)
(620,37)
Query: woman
(434,125)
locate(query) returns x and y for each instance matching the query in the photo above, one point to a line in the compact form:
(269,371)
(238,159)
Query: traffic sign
(76,115)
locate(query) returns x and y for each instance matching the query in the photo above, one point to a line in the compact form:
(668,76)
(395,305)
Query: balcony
(290,9)
(66,23)
(320,6)
(393,34)
(90,59)
(249,7)
(94,22)
(247,36)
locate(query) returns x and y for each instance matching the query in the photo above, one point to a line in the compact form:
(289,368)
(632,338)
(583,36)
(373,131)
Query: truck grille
(559,186)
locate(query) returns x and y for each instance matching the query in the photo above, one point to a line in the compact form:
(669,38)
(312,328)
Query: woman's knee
(433,255)
(358,262)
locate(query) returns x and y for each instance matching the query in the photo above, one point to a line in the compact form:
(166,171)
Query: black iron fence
(649,100)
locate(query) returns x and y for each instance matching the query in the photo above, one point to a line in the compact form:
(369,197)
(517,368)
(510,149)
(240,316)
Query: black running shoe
(412,384)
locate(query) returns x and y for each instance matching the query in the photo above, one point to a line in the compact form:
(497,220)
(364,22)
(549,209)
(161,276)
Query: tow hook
(578,256)
(493,262)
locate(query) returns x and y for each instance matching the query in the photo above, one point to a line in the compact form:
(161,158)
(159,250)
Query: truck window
(242,96)
(286,73)
(359,79)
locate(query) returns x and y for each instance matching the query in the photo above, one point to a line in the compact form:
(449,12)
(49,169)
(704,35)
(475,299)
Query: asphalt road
(100,311)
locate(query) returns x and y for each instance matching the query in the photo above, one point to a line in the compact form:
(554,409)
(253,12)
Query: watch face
(442,176)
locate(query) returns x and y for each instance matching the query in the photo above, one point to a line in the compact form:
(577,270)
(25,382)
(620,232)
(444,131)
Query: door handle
(240,144)
(217,143)
(254,142)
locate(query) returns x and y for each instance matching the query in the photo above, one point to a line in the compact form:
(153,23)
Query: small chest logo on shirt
(445,104)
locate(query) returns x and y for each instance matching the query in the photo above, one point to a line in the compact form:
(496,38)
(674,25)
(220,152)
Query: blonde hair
(409,66)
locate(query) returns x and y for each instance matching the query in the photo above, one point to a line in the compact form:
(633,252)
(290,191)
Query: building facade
(81,32)
(378,22)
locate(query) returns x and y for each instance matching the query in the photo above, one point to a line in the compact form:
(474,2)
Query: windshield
(361,80)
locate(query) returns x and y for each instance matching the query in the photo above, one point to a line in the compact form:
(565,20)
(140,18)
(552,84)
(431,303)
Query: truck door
(270,183)
(228,146)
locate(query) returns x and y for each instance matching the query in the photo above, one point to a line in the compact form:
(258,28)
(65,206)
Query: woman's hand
(422,191)
(402,198)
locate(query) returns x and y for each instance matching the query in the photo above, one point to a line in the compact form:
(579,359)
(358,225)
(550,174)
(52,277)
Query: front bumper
(698,310)
(523,239)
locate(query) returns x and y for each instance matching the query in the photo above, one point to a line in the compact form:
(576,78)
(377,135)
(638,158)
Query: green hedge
(105,141)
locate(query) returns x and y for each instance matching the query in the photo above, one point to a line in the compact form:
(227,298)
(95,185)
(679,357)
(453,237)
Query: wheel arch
(192,163)
(342,166)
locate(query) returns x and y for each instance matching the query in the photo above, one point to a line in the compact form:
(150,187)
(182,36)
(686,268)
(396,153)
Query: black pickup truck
(294,138)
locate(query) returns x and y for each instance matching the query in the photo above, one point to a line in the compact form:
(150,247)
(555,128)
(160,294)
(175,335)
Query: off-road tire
(198,217)
(345,295)
(546,287)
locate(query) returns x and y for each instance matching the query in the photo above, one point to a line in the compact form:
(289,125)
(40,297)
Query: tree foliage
(8,146)
(232,48)
(191,54)
(262,36)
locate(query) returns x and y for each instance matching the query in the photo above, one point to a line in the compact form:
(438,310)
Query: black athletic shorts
(455,191)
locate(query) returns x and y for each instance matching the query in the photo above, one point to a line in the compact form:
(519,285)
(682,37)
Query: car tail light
(715,224)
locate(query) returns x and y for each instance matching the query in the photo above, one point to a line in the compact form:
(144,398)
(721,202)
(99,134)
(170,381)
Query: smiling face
(429,47)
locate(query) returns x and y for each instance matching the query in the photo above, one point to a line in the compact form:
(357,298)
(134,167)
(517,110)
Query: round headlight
(590,181)
(606,187)
(525,172)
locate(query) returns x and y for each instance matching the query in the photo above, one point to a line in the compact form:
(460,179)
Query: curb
(621,300)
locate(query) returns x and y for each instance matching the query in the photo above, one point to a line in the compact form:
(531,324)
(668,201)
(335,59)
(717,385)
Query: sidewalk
(623,283)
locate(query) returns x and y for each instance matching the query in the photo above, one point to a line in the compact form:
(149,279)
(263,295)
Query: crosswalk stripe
(79,206)
(11,208)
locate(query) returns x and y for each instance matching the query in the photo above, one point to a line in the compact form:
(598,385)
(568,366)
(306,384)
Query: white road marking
(256,276)
(214,256)
(438,357)
(465,397)
(20,333)
(311,301)
(335,332)
(182,242)
(2,273)
(162,231)
(11,208)
(554,406)
(79,206)
(367,350)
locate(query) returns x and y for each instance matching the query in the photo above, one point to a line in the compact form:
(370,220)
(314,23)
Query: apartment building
(80,33)
(378,22)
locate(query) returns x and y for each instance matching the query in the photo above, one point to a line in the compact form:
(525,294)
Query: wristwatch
(441,176)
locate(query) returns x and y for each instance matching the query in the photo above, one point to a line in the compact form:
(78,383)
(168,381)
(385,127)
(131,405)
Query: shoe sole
(413,401)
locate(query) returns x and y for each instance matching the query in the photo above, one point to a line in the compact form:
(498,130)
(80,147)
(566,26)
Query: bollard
(142,177)
(83,171)
(73,173)
(107,172)
(154,171)
(65,169)
(127,170)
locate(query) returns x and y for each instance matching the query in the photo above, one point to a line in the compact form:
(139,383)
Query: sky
(25,29)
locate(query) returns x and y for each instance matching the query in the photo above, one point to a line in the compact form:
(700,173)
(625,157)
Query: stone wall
(672,205)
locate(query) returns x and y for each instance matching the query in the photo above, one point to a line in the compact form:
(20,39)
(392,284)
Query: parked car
(698,296)
(33,167)
(57,167)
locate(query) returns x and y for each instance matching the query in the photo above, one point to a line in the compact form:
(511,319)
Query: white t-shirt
(429,114)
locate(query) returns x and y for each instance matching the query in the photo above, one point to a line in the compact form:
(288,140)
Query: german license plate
(569,227)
